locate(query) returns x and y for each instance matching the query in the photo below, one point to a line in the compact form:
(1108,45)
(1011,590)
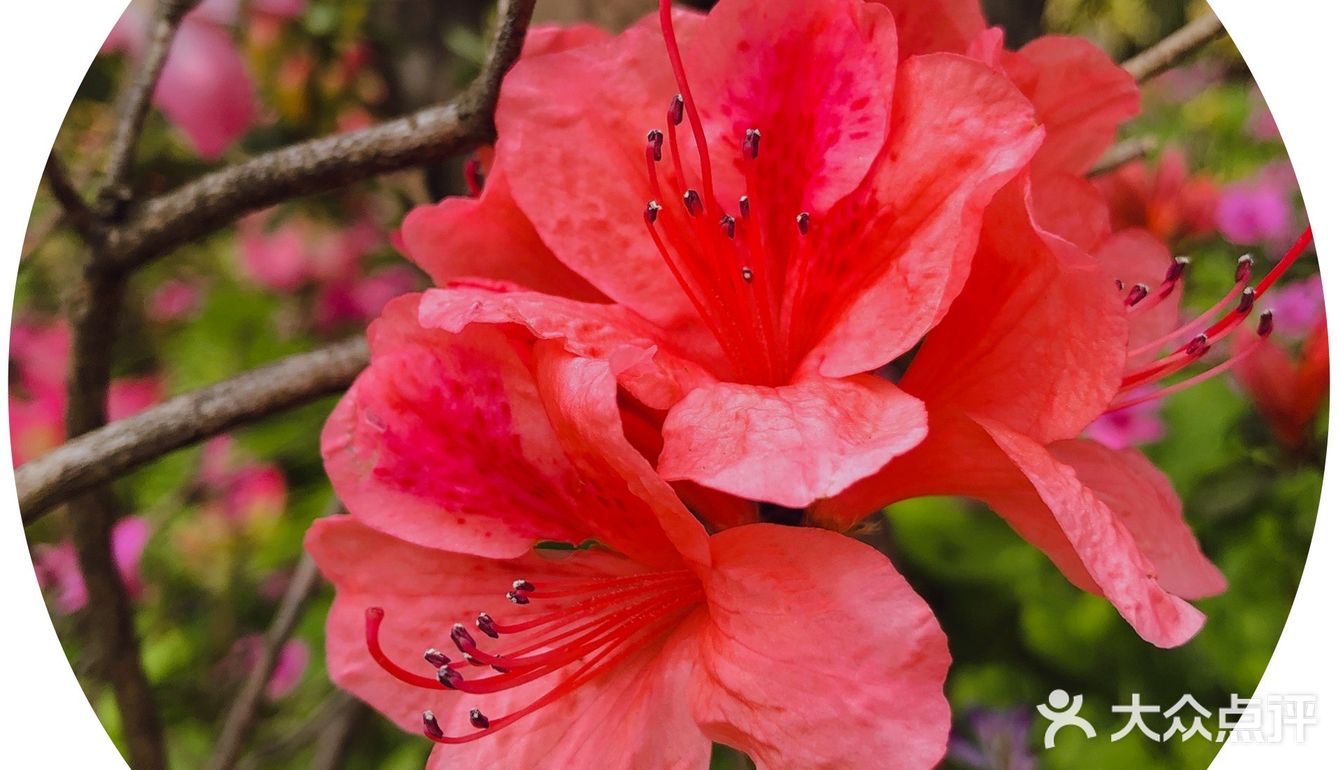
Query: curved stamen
(694,119)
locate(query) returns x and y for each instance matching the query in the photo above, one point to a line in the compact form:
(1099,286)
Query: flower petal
(792,444)
(448,441)
(1049,504)
(487,237)
(1136,256)
(632,716)
(1072,208)
(1037,338)
(812,634)
(932,26)
(1081,98)
(1142,497)
(1110,552)
(576,159)
(893,258)
(640,357)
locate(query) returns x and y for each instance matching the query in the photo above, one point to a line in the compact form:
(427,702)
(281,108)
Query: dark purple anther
(486,624)
(1119,285)
(473,661)
(1177,268)
(727,226)
(655,144)
(477,719)
(676,110)
(745,206)
(1136,294)
(1197,346)
(516,597)
(436,657)
(652,212)
(430,725)
(694,202)
(752,143)
(460,635)
(1265,323)
(449,677)
(1244,266)
(522,585)
(747,273)
(1246,301)
(802,220)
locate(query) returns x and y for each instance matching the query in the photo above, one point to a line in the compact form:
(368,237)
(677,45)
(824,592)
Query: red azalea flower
(455,454)
(1162,198)
(1008,389)
(814,200)
(1287,388)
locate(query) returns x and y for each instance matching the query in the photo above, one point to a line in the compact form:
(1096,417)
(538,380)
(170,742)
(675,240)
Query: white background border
(45,48)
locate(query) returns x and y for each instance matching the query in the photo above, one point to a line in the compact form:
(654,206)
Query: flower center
(1134,388)
(593,622)
(723,260)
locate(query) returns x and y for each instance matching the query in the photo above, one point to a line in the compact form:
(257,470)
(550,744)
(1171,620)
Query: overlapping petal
(792,444)
(1036,340)
(448,441)
(811,635)
(888,263)
(931,26)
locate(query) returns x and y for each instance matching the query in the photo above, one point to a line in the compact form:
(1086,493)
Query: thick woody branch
(1175,47)
(218,199)
(75,210)
(114,450)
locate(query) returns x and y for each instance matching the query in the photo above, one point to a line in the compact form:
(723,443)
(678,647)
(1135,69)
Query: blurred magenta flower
(1259,211)
(173,300)
(1161,197)
(242,490)
(40,355)
(1297,307)
(455,454)
(761,284)
(205,88)
(1129,427)
(58,568)
(995,739)
(289,667)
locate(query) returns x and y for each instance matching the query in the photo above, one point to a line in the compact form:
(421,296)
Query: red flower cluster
(782,264)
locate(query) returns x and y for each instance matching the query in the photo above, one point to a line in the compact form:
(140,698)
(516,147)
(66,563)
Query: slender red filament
(1132,387)
(595,623)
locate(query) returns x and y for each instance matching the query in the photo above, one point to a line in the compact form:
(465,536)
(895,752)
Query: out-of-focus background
(216,530)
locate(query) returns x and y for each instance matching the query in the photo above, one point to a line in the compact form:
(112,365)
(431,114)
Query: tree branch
(135,106)
(76,210)
(110,452)
(1175,47)
(242,713)
(218,199)
(1122,153)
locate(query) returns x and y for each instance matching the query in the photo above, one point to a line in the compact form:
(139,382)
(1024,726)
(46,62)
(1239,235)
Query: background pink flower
(58,568)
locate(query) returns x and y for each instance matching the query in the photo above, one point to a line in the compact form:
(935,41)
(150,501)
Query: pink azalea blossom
(456,453)
(1128,427)
(1297,307)
(289,667)
(1259,211)
(205,88)
(40,356)
(58,567)
(814,202)
(173,300)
